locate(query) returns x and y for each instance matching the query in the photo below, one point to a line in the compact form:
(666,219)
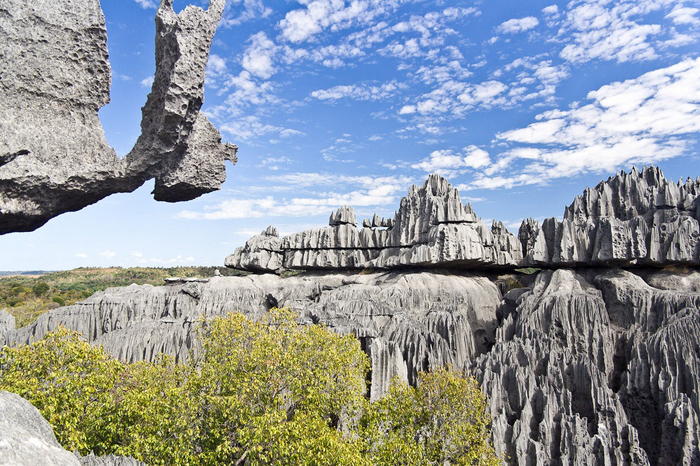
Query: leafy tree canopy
(268,392)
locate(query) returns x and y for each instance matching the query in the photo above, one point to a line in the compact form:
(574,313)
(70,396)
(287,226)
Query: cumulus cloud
(515,25)
(258,58)
(147,82)
(318,15)
(370,191)
(620,31)
(447,163)
(359,92)
(250,127)
(684,15)
(637,121)
(241,11)
(108,254)
(145,4)
(81,255)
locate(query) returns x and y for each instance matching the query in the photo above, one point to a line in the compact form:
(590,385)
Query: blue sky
(519,104)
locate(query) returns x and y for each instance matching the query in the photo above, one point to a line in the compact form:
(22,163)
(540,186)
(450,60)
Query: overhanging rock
(54,157)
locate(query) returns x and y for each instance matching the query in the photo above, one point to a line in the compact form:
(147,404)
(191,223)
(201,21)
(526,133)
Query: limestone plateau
(54,78)
(593,365)
(632,219)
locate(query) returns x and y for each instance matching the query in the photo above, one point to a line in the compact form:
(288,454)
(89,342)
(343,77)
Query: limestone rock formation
(26,438)
(54,157)
(431,227)
(596,367)
(109,460)
(7,321)
(636,218)
(406,322)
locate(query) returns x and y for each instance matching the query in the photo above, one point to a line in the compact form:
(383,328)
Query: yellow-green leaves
(70,382)
(441,421)
(267,392)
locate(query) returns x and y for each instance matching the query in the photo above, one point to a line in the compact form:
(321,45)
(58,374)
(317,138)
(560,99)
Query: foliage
(27,297)
(267,392)
(71,382)
(441,421)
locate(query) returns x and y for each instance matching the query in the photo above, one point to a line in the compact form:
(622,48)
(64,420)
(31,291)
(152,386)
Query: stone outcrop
(596,367)
(596,364)
(406,322)
(27,439)
(7,321)
(432,227)
(633,219)
(636,218)
(54,157)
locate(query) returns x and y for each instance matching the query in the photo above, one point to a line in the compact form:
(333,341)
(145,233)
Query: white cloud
(216,65)
(515,25)
(620,31)
(318,15)
(550,10)
(81,255)
(145,4)
(147,82)
(137,254)
(684,15)
(372,191)
(252,9)
(108,254)
(359,91)
(258,58)
(639,121)
(250,127)
(447,163)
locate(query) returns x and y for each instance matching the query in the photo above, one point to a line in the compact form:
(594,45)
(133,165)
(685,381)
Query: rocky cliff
(54,157)
(597,364)
(636,218)
(632,219)
(431,228)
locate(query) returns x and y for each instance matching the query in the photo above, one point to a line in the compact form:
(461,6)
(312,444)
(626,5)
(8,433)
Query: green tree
(441,421)
(71,382)
(267,392)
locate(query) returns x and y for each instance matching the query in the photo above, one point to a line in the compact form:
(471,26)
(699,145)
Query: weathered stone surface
(407,322)
(636,218)
(109,460)
(7,321)
(596,367)
(54,157)
(26,438)
(432,227)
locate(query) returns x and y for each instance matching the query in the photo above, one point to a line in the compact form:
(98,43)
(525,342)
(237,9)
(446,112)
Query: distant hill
(28,294)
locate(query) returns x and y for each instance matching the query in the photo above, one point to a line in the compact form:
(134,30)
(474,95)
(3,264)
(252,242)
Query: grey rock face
(596,367)
(7,322)
(54,157)
(26,438)
(406,322)
(431,227)
(109,460)
(636,218)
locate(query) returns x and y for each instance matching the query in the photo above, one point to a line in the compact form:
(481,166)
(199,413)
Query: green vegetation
(27,297)
(271,392)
